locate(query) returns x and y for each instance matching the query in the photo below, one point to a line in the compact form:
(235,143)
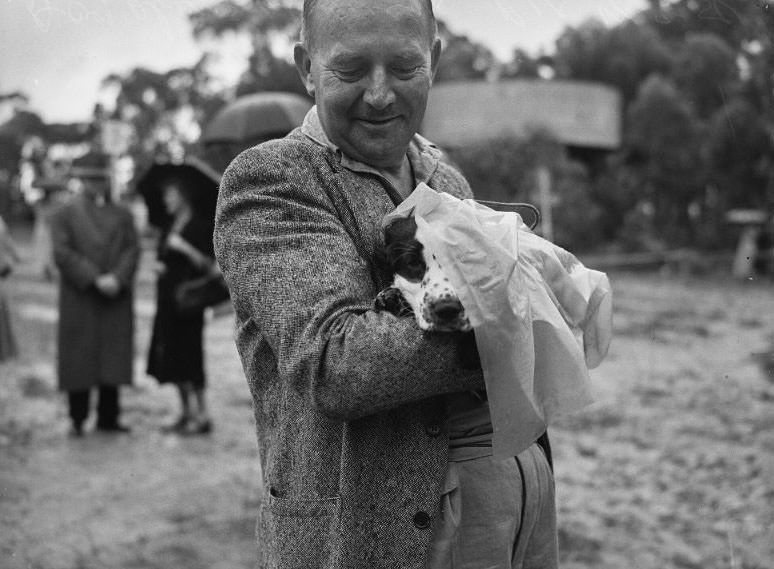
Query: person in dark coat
(96,249)
(176,352)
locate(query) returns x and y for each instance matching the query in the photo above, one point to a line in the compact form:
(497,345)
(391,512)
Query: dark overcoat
(350,425)
(96,333)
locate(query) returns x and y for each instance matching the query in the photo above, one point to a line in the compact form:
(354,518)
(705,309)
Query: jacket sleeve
(77,268)
(296,277)
(129,253)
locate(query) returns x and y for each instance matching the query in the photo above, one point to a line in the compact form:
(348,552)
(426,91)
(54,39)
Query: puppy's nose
(447,308)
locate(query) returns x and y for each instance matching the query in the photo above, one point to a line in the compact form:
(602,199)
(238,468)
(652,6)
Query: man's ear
(304,67)
(435,57)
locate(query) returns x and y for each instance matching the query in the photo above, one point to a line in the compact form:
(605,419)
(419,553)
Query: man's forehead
(353,15)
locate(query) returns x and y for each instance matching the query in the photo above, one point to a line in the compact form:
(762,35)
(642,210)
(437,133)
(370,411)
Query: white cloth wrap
(541,319)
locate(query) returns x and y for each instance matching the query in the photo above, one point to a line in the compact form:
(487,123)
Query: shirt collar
(422,154)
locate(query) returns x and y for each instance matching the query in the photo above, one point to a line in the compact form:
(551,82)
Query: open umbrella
(200,181)
(253,118)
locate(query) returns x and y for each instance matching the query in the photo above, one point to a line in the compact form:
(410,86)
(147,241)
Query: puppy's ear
(400,229)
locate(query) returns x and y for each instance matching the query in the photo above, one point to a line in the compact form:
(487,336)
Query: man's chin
(379,152)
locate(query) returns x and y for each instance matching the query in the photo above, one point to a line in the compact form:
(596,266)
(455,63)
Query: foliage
(706,71)
(739,157)
(503,169)
(521,65)
(462,58)
(622,56)
(663,148)
(165,109)
(265,22)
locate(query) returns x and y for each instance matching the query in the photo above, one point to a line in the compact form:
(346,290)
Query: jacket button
(433,430)
(422,520)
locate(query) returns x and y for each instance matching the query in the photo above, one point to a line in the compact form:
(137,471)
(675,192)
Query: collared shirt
(422,154)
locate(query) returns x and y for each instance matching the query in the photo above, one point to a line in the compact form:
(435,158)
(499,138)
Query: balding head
(310,6)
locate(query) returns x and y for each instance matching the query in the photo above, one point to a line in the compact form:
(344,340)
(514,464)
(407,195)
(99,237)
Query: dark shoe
(179,426)
(115,428)
(199,427)
(76,430)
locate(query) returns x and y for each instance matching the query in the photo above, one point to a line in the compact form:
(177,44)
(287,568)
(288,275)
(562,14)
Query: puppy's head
(421,279)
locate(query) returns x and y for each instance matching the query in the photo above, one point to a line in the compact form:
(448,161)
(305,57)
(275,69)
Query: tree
(463,59)
(706,71)
(622,56)
(521,65)
(267,23)
(164,108)
(662,147)
(739,158)
(747,27)
(504,169)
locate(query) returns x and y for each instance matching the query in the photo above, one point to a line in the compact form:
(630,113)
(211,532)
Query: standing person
(8,258)
(176,352)
(374,450)
(96,250)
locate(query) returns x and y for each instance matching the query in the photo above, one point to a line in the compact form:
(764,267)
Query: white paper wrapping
(541,318)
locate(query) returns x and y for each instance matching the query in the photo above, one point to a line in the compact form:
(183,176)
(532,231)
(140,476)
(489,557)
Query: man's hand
(108,284)
(174,241)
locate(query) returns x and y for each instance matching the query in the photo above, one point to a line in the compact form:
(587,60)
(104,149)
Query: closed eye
(348,75)
(408,262)
(405,72)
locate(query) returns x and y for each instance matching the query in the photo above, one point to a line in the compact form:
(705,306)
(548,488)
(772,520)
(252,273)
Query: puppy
(421,288)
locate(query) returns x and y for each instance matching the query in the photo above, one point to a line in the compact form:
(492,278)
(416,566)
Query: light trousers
(497,514)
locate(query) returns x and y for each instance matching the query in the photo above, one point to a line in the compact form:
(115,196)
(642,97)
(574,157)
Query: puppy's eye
(412,269)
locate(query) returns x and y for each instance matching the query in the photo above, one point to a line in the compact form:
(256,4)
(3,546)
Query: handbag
(199,293)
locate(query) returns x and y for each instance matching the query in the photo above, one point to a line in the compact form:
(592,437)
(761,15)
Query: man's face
(95,187)
(370,68)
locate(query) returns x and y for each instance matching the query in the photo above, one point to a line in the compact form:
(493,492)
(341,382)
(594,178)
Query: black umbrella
(198,180)
(257,117)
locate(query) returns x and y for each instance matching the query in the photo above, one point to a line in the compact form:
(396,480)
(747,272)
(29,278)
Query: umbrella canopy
(257,117)
(196,178)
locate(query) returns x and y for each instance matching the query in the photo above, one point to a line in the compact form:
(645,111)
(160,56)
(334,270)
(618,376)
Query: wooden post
(543,175)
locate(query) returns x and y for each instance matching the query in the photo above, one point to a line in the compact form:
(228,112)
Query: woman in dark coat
(176,351)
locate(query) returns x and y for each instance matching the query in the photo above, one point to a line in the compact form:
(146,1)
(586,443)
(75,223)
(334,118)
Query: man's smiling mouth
(378,121)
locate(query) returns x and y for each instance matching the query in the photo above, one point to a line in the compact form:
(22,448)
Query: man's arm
(129,255)
(294,271)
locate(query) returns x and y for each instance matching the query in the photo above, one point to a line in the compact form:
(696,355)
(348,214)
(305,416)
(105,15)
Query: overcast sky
(57,51)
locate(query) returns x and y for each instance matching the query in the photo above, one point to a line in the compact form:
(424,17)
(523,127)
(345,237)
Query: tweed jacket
(348,402)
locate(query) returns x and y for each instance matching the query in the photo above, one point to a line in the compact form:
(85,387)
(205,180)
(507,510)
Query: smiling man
(370,438)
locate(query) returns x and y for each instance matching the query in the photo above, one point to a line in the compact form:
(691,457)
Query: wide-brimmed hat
(93,165)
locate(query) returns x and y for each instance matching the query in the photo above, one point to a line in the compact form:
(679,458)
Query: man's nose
(379,93)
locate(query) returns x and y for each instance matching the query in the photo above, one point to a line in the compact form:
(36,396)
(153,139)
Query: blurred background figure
(181,200)
(8,258)
(96,250)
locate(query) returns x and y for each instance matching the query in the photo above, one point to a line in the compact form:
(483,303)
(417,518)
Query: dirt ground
(673,466)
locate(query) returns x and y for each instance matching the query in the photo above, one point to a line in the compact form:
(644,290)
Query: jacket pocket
(298,533)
